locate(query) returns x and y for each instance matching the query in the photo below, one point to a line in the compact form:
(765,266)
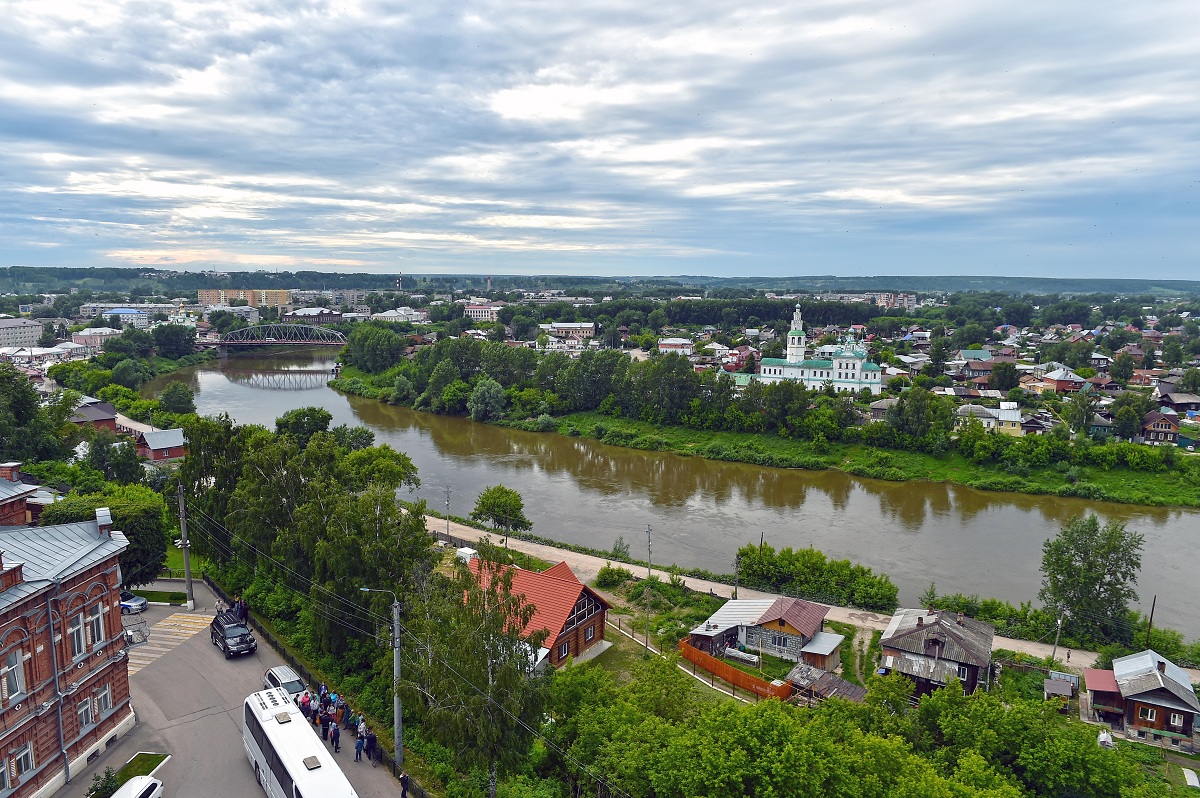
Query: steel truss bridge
(283,335)
(282,380)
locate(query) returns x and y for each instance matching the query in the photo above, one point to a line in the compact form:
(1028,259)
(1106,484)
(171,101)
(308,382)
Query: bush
(104,785)
(545,423)
(611,576)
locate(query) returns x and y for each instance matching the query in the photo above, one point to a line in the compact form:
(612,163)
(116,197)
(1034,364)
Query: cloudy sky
(614,137)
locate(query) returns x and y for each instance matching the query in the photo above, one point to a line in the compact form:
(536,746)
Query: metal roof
(14,490)
(1139,673)
(735,613)
(962,639)
(163,438)
(54,553)
(823,643)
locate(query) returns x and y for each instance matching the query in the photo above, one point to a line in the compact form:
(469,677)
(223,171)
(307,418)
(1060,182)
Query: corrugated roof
(738,612)
(1100,680)
(552,596)
(1139,673)
(804,616)
(163,438)
(968,641)
(53,553)
(824,684)
(823,643)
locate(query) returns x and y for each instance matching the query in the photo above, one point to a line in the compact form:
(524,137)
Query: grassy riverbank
(1177,487)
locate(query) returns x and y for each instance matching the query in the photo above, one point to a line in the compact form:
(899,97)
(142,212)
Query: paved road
(586,567)
(189,704)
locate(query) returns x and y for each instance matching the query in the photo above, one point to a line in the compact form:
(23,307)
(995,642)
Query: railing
(727,673)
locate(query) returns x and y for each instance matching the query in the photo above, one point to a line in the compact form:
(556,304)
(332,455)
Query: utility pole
(762,532)
(397,715)
(737,573)
(649,529)
(1150,624)
(187,554)
(447,513)
(1056,634)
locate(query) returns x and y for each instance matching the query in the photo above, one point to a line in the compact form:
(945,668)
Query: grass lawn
(141,765)
(175,561)
(772,667)
(168,596)
(625,654)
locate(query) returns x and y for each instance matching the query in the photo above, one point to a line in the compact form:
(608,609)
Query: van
(140,787)
(231,634)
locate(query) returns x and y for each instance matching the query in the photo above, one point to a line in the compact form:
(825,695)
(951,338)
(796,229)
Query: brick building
(13,495)
(64,677)
(255,298)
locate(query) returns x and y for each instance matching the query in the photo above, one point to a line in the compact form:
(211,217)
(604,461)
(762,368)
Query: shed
(466,554)
(1052,688)
(823,651)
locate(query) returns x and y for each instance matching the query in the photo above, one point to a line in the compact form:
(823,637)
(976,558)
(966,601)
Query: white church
(844,364)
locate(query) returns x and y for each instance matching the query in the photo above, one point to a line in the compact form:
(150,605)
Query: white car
(140,787)
(285,677)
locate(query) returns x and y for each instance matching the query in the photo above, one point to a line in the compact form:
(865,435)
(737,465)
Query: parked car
(285,677)
(230,634)
(140,787)
(131,604)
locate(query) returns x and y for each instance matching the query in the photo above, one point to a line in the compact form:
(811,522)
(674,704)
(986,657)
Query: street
(189,705)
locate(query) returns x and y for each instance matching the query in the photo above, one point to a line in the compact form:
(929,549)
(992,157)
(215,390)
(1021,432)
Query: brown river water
(580,491)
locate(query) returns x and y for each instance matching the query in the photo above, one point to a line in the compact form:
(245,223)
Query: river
(581,491)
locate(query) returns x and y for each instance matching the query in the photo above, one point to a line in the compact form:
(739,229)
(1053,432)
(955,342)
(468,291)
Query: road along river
(580,491)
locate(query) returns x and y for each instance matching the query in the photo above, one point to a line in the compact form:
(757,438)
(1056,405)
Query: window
(779,641)
(96,625)
(962,673)
(1176,719)
(104,701)
(12,675)
(1148,714)
(564,650)
(75,631)
(23,760)
(589,633)
(84,712)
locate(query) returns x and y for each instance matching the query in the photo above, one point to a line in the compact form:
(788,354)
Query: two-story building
(14,495)
(64,679)
(1160,428)
(1146,694)
(931,647)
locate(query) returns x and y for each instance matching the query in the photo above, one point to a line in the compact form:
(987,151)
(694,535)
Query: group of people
(239,608)
(331,713)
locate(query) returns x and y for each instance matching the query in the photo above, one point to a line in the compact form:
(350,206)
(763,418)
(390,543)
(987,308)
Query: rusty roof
(804,616)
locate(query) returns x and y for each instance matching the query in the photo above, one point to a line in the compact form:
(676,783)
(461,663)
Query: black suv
(231,635)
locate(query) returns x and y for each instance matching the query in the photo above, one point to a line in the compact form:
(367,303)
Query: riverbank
(587,568)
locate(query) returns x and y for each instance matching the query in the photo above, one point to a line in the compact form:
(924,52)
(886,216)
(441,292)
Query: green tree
(129,373)
(1127,423)
(104,785)
(132,342)
(175,340)
(302,423)
(485,696)
(26,430)
(177,398)
(373,348)
(1190,382)
(1122,367)
(501,507)
(137,511)
(1088,573)
(487,400)
(1078,411)
(402,390)
(115,457)
(1172,353)
(46,339)
(1004,377)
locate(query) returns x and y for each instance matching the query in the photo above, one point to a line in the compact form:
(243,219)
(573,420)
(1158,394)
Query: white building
(482,312)
(404,314)
(844,364)
(19,332)
(579,330)
(682,346)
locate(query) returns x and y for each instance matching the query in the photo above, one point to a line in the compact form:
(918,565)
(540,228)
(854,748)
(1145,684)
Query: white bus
(287,755)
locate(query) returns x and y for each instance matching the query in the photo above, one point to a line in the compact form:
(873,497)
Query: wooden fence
(732,675)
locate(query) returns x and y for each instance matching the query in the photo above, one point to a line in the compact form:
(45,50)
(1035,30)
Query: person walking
(404,784)
(372,747)
(358,747)
(362,726)
(335,738)
(325,725)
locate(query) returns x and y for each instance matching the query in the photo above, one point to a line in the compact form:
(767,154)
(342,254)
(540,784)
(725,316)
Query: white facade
(845,364)
(482,312)
(19,332)
(681,346)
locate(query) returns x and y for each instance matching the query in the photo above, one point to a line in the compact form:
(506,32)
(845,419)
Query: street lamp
(397,716)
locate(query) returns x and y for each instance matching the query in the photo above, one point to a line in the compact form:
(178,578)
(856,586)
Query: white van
(140,787)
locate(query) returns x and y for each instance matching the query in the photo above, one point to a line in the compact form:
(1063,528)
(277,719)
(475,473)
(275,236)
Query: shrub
(611,576)
(545,423)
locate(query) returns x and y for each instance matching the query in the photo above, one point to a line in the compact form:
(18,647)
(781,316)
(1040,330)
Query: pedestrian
(305,704)
(335,738)
(325,725)
(370,747)
(1068,655)
(404,784)
(362,726)
(358,746)
(340,708)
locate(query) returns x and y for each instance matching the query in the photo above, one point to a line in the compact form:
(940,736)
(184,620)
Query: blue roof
(123,312)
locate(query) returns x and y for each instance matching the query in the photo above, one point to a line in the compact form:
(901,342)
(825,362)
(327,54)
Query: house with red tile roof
(570,612)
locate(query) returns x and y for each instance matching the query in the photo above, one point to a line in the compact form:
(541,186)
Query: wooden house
(781,627)
(932,647)
(1153,699)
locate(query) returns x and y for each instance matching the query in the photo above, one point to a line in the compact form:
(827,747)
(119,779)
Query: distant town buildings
(255,298)
(844,365)
(19,332)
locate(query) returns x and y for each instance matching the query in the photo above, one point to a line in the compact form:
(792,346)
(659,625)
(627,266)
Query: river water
(584,492)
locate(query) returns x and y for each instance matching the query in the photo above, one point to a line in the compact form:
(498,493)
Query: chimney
(104,522)
(10,471)
(1162,666)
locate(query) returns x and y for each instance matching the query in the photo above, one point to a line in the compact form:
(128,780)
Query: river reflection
(582,491)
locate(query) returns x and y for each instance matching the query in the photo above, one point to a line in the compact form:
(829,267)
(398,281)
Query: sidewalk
(587,567)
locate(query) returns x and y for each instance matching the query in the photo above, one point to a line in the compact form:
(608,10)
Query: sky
(604,138)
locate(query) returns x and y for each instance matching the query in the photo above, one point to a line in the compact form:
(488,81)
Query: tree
(503,508)
(487,400)
(131,343)
(1122,367)
(114,457)
(129,373)
(1190,382)
(175,340)
(137,511)
(486,697)
(1088,574)
(302,423)
(1004,377)
(1078,412)
(177,398)
(1172,352)
(46,339)
(26,430)
(104,785)
(1127,423)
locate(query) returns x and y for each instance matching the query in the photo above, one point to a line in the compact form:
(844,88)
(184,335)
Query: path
(587,567)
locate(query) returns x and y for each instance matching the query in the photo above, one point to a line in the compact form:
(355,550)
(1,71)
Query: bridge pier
(223,352)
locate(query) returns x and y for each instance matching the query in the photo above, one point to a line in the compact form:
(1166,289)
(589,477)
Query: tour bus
(288,757)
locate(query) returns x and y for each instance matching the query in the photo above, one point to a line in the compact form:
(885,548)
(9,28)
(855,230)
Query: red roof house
(571,613)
